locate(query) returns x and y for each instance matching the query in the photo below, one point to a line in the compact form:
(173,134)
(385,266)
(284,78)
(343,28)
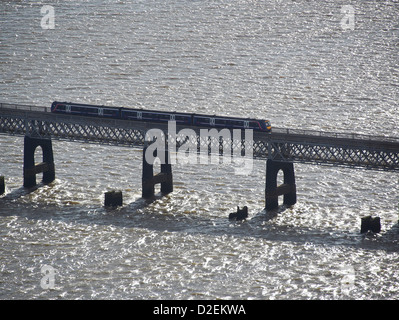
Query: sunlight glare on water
(290,62)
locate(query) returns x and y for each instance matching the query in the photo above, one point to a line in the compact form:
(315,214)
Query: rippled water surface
(289,61)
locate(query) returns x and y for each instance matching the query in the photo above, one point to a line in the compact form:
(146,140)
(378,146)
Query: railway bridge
(281,148)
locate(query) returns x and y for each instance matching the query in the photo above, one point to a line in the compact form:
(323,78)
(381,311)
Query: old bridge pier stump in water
(113,199)
(165,177)
(46,167)
(288,188)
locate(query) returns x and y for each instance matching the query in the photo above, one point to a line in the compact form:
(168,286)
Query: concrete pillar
(166,169)
(47,166)
(2,185)
(148,187)
(288,188)
(165,177)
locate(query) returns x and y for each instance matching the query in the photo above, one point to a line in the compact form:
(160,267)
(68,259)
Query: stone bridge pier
(149,180)
(288,188)
(46,167)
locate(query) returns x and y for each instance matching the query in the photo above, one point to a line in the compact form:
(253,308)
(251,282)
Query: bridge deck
(351,150)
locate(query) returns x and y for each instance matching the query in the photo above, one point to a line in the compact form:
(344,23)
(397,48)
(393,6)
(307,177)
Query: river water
(302,64)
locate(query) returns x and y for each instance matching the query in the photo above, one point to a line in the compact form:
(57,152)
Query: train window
(109,112)
(212,121)
(151,116)
(132,114)
(254,124)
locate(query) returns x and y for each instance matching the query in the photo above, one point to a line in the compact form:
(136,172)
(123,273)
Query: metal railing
(24,107)
(335,135)
(288,131)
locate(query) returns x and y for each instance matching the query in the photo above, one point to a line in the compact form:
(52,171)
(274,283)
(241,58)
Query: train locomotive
(189,119)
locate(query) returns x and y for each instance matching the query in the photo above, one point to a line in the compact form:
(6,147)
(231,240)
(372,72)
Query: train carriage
(160,116)
(85,110)
(225,122)
(155,116)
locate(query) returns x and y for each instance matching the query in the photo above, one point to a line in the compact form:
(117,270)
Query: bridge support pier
(288,188)
(47,166)
(149,181)
(2,185)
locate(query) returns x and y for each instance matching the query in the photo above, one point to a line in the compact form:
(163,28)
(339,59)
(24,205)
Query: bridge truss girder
(336,155)
(267,146)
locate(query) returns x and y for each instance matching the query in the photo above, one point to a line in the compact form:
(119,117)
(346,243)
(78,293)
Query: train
(189,119)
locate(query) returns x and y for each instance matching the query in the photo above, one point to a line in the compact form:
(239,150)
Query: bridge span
(282,147)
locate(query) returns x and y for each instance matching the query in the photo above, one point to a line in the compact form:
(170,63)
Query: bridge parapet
(22,107)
